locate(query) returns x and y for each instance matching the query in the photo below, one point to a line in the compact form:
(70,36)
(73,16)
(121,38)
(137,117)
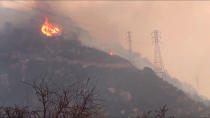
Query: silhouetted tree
(160,113)
(76,101)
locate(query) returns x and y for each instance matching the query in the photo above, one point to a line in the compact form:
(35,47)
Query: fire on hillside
(50,29)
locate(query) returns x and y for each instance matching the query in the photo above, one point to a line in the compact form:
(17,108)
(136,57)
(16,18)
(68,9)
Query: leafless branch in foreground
(77,101)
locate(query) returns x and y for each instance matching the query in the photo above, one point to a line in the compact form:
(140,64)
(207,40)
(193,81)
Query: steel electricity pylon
(129,46)
(158,63)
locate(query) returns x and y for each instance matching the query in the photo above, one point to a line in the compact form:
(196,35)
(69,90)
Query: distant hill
(125,90)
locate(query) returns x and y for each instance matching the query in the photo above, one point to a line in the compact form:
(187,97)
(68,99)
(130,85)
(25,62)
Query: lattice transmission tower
(158,63)
(197,83)
(130,46)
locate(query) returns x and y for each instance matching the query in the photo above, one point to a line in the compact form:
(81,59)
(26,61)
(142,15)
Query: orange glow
(111,53)
(49,29)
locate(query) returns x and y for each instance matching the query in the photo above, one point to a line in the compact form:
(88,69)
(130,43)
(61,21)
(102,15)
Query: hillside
(25,53)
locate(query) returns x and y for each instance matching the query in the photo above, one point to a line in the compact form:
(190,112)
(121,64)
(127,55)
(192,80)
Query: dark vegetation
(160,113)
(76,101)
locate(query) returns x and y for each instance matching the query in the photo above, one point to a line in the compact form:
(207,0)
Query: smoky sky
(184,28)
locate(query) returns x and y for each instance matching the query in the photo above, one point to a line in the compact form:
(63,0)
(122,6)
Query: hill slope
(25,53)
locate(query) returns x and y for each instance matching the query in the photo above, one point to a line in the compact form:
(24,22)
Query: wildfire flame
(111,53)
(49,29)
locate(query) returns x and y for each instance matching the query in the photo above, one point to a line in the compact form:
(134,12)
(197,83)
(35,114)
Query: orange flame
(111,53)
(49,29)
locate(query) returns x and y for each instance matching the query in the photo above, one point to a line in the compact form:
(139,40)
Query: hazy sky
(184,27)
